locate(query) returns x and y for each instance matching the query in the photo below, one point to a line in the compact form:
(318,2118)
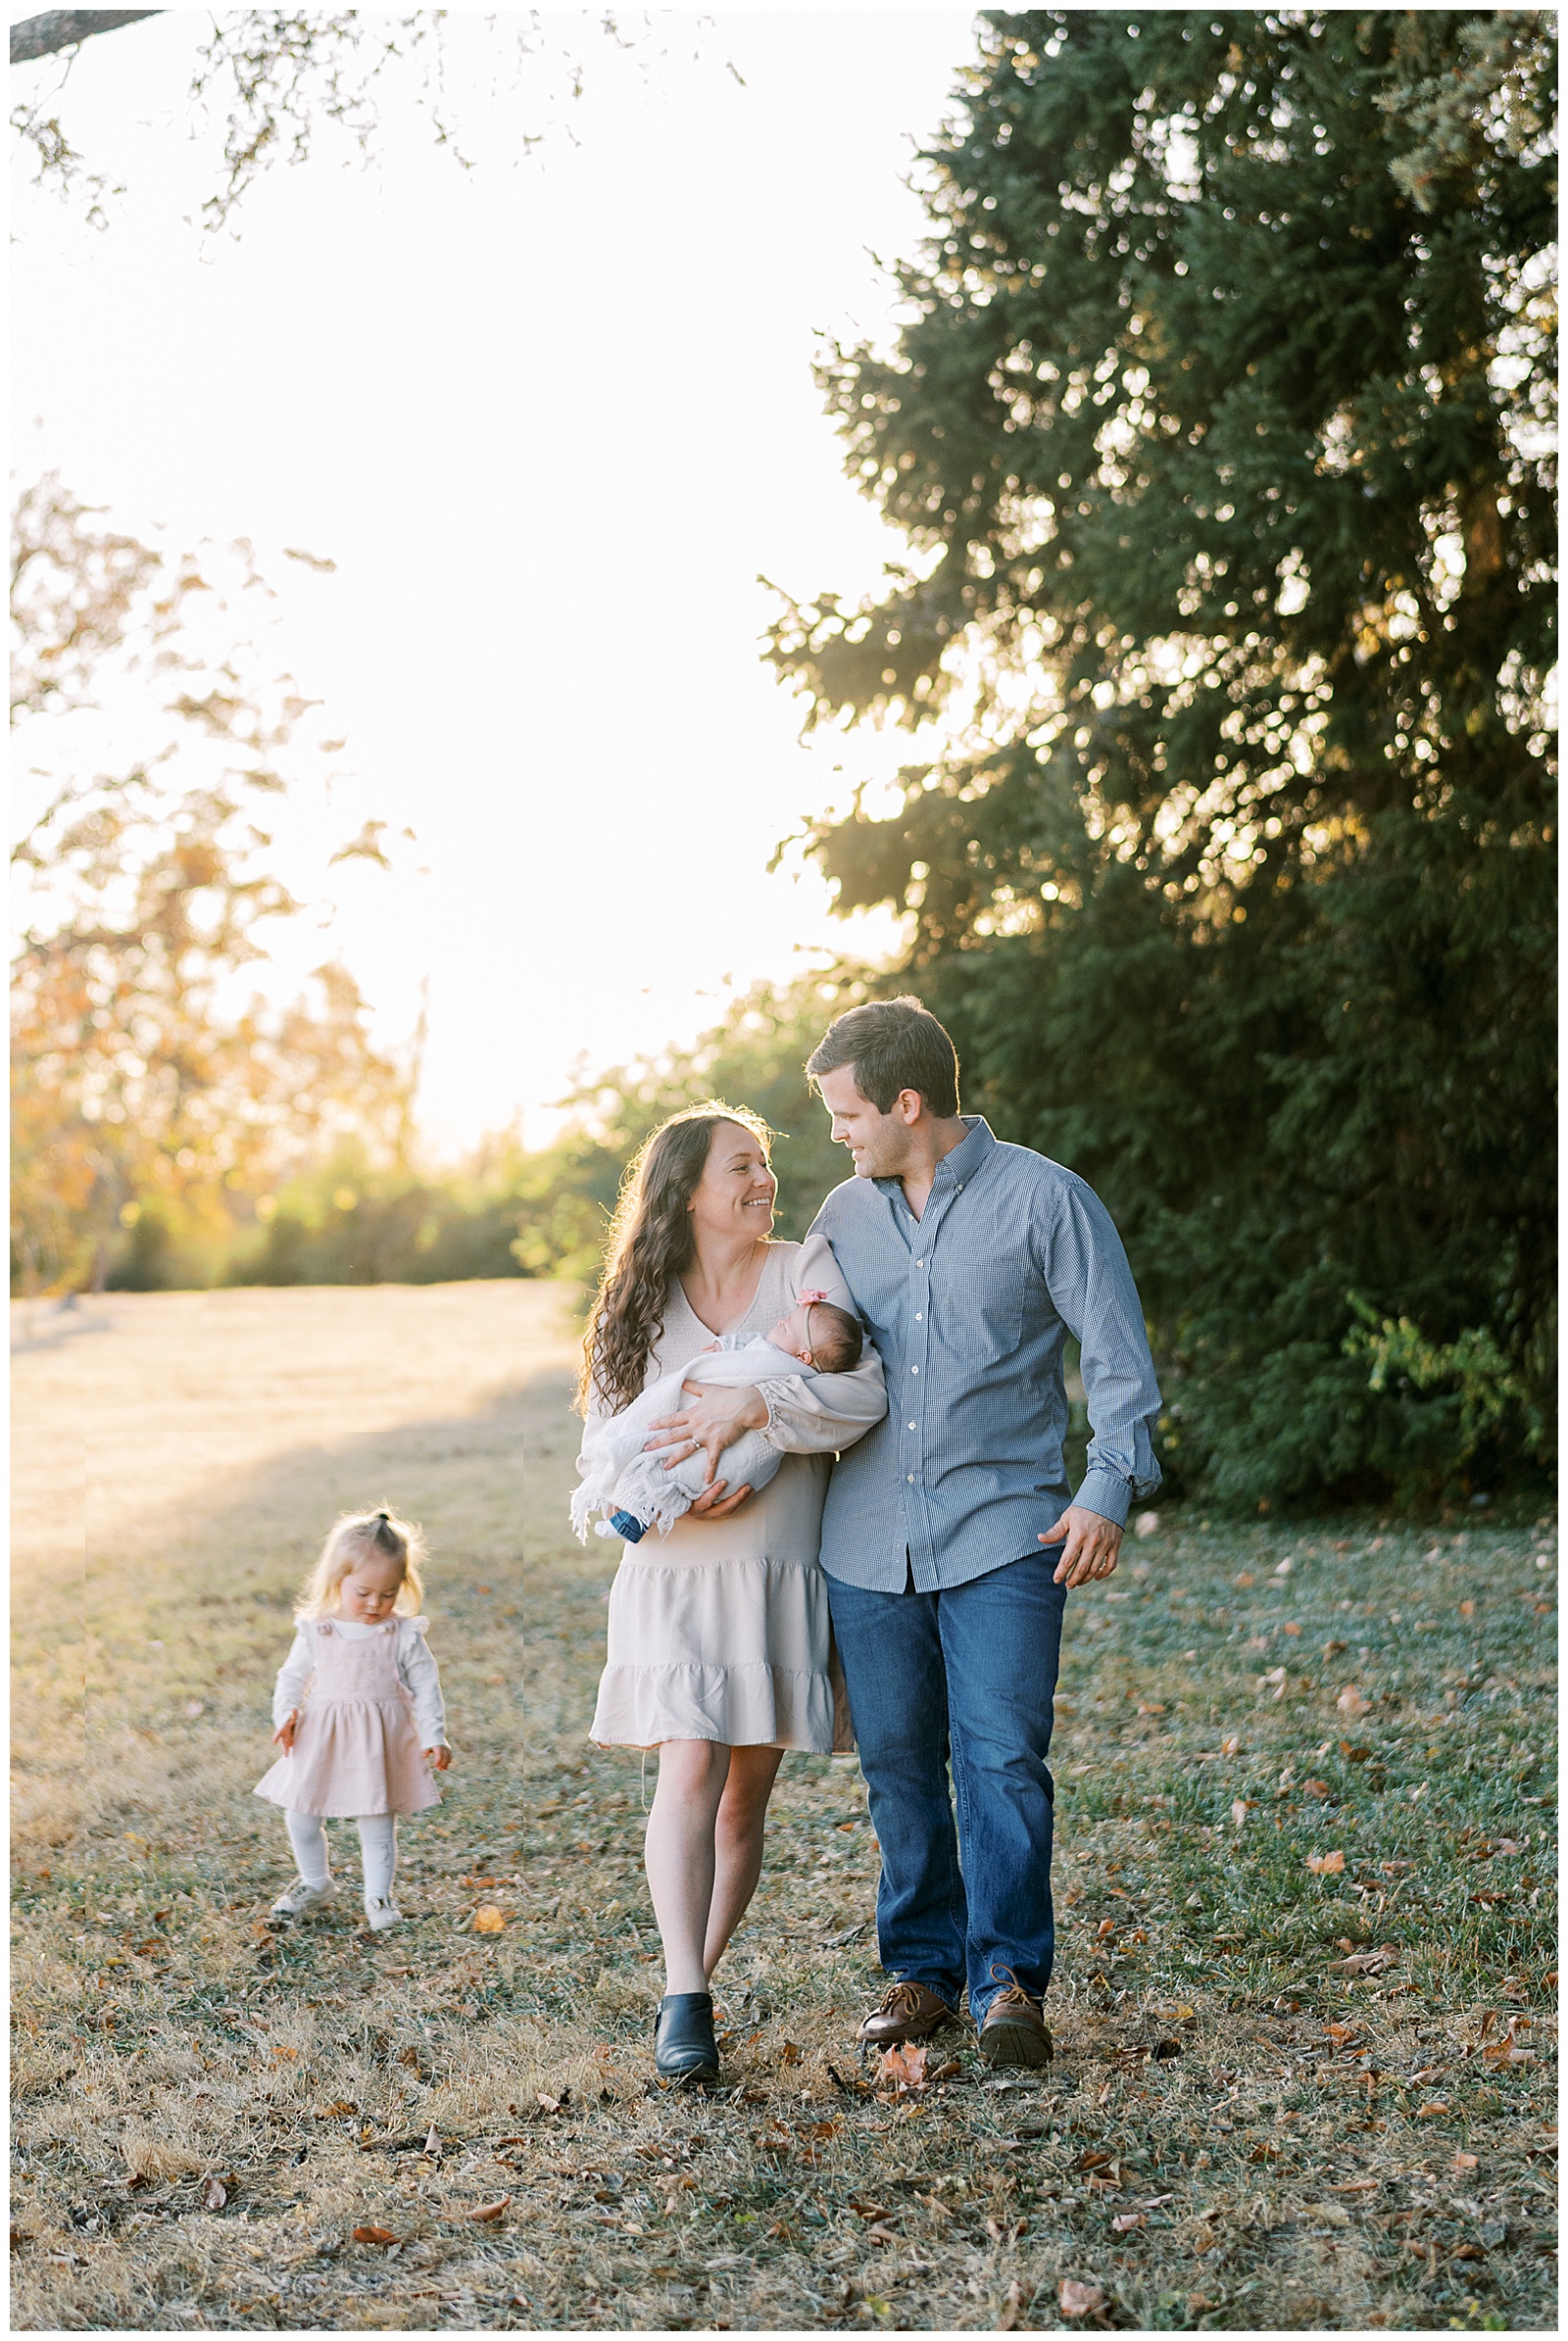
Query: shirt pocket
(979,1305)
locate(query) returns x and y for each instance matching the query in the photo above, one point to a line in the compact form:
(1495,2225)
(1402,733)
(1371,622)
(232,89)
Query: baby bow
(806,1299)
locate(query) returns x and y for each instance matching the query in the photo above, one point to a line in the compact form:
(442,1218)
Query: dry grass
(1288,2136)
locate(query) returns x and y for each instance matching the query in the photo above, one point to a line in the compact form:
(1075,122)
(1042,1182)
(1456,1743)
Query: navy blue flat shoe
(685,2051)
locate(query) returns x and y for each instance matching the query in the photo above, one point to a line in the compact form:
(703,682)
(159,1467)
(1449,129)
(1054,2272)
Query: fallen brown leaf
(1080,2299)
(1010,2307)
(488,1919)
(378,2236)
(906,2065)
(1125,2221)
(215,2194)
(489,2211)
(1326,1864)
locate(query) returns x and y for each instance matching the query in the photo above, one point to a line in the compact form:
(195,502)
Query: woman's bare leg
(678,1853)
(737,1843)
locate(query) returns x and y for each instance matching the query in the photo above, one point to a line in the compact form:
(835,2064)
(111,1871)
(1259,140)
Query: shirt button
(914,1369)
(919,1318)
(913,1425)
(911,1478)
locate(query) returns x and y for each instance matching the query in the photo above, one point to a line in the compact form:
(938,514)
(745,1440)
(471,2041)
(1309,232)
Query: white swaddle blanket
(619,1476)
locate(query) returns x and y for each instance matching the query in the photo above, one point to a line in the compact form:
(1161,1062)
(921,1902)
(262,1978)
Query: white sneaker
(380,1914)
(302,1896)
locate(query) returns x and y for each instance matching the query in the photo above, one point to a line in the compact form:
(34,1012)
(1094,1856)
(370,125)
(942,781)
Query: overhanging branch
(63,28)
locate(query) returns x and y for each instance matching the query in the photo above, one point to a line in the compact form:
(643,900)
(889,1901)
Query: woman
(720,1643)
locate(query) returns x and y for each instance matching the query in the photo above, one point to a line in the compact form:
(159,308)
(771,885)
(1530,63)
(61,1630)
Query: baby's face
(793,1335)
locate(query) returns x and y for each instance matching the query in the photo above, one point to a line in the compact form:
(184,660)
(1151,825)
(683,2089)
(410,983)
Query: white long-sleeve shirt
(417,1668)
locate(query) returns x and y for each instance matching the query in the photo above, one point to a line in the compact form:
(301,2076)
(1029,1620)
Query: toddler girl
(358,1699)
(638,1489)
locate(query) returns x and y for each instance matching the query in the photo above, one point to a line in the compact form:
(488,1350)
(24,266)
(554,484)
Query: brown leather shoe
(1015,2031)
(909,2011)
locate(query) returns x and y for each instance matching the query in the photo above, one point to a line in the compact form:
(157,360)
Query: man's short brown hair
(893,1044)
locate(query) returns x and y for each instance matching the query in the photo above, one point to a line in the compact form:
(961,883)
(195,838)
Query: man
(951,1538)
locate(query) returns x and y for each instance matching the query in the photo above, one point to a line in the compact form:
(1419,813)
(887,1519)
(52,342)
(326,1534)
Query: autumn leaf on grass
(1326,1864)
(1367,1962)
(378,2235)
(488,1919)
(488,2211)
(1125,2221)
(1353,1701)
(1080,2299)
(215,2194)
(905,2064)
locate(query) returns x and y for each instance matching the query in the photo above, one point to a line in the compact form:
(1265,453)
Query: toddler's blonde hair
(354,1536)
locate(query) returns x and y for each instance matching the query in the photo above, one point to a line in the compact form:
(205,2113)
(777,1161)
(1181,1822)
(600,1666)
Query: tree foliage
(1218,425)
(143,1082)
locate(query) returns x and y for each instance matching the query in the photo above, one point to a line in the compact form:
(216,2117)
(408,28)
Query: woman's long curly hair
(651,1242)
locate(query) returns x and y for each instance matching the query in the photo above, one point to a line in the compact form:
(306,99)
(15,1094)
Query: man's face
(880,1143)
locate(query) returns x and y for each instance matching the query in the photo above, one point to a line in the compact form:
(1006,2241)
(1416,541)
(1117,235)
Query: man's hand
(1091,1547)
(713,1421)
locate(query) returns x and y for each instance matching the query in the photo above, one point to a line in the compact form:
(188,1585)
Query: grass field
(1286,2096)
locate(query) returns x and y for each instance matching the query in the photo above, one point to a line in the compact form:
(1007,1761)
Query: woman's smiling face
(735,1193)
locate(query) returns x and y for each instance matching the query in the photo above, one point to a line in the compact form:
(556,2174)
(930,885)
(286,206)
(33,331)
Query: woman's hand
(283,1736)
(714,1504)
(440,1757)
(713,1421)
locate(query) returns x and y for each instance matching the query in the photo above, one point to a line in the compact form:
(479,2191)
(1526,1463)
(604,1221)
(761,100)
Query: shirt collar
(960,1164)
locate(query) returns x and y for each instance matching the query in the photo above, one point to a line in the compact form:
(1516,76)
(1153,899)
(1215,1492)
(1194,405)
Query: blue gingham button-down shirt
(970,1307)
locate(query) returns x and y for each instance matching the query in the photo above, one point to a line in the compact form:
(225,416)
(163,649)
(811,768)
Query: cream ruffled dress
(720,1630)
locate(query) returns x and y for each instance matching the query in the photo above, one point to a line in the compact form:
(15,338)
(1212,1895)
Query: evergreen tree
(1219,432)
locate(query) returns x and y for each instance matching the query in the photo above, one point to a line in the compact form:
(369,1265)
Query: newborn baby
(637,1490)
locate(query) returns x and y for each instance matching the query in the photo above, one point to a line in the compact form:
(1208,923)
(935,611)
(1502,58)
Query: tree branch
(64,28)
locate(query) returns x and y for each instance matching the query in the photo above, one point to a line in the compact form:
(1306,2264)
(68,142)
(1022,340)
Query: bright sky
(551,418)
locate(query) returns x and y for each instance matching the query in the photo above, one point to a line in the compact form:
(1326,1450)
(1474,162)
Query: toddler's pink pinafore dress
(356,1750)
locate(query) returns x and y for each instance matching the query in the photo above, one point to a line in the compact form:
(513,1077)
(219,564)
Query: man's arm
(1092,1288)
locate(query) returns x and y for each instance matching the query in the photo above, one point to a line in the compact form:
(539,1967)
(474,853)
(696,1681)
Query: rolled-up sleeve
(1091,1286)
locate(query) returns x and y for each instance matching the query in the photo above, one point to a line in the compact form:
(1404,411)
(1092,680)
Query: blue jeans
(965,1677)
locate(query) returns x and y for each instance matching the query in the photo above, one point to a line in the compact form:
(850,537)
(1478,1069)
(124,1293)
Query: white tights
(378,1850)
